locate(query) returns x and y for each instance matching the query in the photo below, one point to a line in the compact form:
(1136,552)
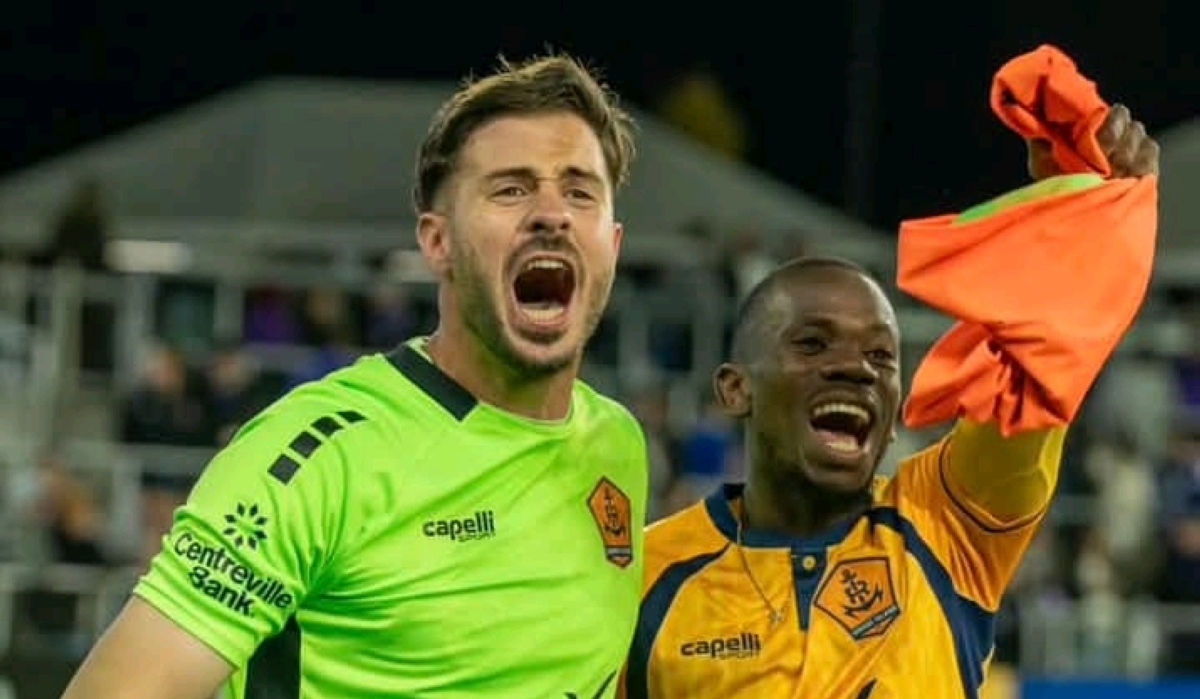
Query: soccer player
(817,578)
(458,518)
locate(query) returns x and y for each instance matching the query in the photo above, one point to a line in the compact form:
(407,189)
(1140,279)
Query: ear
(433,237)
(618,236)
(731,385)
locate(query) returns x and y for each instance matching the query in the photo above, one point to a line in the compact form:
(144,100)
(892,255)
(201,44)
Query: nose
(852,369)
(550,214)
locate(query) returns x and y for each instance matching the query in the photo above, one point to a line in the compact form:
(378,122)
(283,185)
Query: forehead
(837,296)
(548,144)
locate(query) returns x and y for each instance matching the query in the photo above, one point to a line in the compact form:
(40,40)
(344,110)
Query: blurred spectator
(326,313)
(748,262)
(687,284)
(708,452)
(328,332)
(166,410)
(389,318)
(1036,592)
(69,514)
(334,352)
(236,391)
(1140,395)
(1071,515)
(270,318)
(1100,638)
(699,106)
(1187,368)
(1124,512)
(1179,508)
(650,407)
(80,233)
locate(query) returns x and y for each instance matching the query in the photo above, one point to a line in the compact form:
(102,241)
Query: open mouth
(842,427)
(543,289)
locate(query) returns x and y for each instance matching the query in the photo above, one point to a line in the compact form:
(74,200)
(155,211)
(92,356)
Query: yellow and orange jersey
(899,602)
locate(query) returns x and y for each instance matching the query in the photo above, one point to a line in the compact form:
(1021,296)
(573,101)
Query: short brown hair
(549,84)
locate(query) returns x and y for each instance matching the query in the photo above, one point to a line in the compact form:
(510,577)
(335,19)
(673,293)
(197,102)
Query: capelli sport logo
(245,526)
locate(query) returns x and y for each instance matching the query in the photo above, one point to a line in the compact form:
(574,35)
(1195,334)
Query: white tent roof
(1180,189)
(1179,206)
(322,159)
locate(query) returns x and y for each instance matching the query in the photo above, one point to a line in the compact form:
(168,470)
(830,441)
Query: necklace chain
(774,614)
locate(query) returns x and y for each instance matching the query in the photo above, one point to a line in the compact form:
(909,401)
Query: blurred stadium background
(169,265)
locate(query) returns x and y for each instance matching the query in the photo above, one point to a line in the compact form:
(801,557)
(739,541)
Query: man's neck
(796,509)
(477,369)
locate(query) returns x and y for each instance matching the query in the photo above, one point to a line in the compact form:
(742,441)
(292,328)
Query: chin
(839,474)
(838,481)
(546,342)
(540,355)
(544,361)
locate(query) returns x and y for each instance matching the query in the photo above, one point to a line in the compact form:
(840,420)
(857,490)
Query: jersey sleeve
(976,499)
(639,465)
(254,536)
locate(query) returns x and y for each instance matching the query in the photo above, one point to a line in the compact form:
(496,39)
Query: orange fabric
(1043,289)
(1041,95)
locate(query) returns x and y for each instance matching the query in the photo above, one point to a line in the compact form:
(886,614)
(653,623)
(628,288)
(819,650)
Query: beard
(482,311)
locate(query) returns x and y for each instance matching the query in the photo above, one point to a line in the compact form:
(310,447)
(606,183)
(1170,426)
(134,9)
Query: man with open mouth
(461,517)
(818,579)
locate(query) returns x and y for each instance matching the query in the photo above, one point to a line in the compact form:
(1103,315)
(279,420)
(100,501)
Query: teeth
(544,264)
(845,408)
(544,311)
(843,443)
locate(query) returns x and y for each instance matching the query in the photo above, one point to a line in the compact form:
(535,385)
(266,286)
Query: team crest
(859,595)
(610,508)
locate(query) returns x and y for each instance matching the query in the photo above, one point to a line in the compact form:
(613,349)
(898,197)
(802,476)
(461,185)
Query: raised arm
(1002,482)
(1044,282)
(1006,481)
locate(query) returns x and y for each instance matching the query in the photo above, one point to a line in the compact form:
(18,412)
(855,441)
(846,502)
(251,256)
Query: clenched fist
(1130,151)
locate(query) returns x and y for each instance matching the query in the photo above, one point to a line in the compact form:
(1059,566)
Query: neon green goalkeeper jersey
(380,533)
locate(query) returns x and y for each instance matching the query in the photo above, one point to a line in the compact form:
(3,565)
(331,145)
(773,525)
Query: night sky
(73,71)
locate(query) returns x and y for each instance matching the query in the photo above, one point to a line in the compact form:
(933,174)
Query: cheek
(895,392)
(599,249)
(781,410)
(478,250)
(486,229)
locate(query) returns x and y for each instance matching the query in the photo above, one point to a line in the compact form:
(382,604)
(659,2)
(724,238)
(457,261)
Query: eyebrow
(829,324)
(527,173)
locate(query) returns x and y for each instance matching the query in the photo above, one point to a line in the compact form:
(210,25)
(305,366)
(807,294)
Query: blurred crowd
(1125,529)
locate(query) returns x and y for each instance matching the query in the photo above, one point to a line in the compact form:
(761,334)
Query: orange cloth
(1041,95)
(1043,288)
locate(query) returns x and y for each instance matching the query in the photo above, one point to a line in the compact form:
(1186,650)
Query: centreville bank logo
(244,526)
(217,574)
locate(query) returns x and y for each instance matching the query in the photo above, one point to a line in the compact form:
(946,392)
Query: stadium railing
(55,298)
(1057,637)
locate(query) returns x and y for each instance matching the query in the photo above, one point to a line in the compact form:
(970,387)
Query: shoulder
(371,395)
(598,411)
(687,539)
(299,461)
(916,475)
(332,420)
